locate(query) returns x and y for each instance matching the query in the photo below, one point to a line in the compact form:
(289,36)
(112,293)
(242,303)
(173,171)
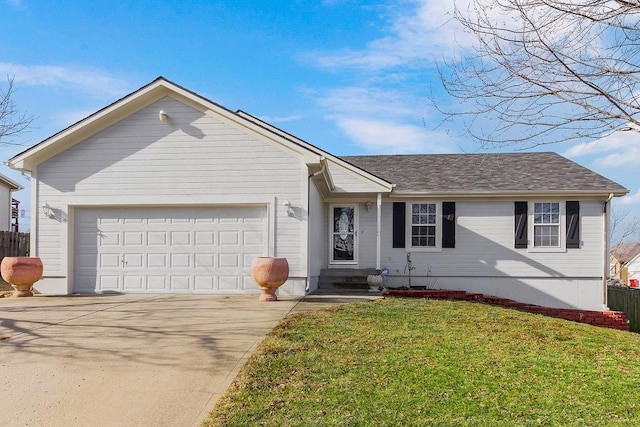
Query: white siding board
(484,246)
(195,158)
(347,181)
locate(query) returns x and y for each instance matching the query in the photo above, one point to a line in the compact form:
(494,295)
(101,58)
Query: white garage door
(190,250)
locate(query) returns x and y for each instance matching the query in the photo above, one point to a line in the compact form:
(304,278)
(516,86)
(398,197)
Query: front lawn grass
(400,362)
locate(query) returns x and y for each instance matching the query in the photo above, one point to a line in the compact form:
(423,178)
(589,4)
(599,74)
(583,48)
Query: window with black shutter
(520,214)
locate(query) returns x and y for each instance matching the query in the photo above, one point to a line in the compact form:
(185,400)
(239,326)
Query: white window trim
(562,231)
(409,246)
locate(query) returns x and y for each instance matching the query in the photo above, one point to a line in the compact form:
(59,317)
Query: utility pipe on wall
(378,227)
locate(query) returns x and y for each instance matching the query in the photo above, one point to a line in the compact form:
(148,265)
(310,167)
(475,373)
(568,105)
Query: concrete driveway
(125,360)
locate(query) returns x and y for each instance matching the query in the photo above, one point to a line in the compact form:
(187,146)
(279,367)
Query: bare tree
(546,71)
(623,228)
(12,121)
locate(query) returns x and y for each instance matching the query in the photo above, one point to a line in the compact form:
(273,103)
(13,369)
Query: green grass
(423,362)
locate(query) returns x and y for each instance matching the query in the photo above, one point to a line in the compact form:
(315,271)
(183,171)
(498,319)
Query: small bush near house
(445,363)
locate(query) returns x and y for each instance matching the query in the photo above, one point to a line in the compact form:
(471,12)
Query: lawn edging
(606,318)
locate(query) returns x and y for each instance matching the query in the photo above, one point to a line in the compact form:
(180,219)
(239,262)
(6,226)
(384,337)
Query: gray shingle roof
(485,173)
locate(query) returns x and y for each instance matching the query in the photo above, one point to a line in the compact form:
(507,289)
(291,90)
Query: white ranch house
(166,191)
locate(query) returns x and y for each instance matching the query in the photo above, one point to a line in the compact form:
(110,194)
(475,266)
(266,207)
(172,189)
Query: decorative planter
(269,273)
(375,282)
(21,273)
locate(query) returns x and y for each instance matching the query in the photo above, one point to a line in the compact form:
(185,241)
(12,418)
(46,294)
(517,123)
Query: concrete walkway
(129,360)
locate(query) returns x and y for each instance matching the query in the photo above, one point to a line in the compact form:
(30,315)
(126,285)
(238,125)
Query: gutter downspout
(322,171)
(378,227)
(606,250)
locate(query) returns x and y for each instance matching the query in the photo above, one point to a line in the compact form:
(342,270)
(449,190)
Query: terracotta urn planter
(269,273)
(21,273)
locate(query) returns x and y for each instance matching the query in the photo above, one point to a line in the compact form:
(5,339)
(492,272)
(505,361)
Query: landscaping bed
(606,319)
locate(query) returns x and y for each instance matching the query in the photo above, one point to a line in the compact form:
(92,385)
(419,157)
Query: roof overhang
(510,195)
(8,182)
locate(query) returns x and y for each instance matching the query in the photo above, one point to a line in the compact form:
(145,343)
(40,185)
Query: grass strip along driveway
(426,362)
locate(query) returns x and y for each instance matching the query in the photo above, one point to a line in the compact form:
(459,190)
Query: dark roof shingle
(485,173)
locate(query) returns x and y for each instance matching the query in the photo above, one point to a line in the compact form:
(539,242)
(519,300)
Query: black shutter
(399,220)
(448,224)
(573,225)
(521,225)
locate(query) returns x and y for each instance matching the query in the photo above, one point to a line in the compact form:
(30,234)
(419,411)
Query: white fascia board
(509,195)
(13,186)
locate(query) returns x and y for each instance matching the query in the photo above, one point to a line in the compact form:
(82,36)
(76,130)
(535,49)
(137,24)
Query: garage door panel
(229,260)
(180,260)
(133,238)
(205,283)
(205,260)
(110,282)
(156,238)
(205,238)
(133,282)
(109,260)
(228,238)
(205,250)
(157,260)
(228,283)
(253,238)
(180,238)
(109,238)
(180,283)
(133,260)
(157,283)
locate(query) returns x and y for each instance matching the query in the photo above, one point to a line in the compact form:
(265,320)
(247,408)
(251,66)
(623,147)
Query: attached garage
(161,249)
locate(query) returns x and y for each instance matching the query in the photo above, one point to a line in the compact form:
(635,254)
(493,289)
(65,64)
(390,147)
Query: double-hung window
(424,227)
(546,225)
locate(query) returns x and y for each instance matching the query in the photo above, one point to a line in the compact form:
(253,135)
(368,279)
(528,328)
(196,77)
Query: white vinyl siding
(347,181)
(196,158)
(484,250)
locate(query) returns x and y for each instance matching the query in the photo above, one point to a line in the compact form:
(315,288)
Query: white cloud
(67,118)
(620,149)
(384,137)
(631,199)
(90,80)
(370,101)
(615,141)
(413,39)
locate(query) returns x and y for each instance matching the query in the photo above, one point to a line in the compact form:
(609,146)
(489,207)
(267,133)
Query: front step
(345,278)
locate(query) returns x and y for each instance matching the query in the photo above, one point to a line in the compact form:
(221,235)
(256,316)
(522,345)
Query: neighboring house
(7,203)
(166,191)
(625,262)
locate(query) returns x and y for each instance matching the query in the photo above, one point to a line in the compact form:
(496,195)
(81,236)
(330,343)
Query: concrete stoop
(344,279)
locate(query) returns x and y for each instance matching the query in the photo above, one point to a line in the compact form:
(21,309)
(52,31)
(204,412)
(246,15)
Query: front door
(344,242)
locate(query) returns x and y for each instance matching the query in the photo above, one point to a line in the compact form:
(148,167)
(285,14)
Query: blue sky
(351,77)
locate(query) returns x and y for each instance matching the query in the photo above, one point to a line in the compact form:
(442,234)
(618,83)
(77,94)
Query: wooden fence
(13,244)
(627,300)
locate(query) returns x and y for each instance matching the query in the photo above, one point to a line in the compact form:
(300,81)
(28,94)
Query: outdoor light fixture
(369,204)
(163,116)
(47,211)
